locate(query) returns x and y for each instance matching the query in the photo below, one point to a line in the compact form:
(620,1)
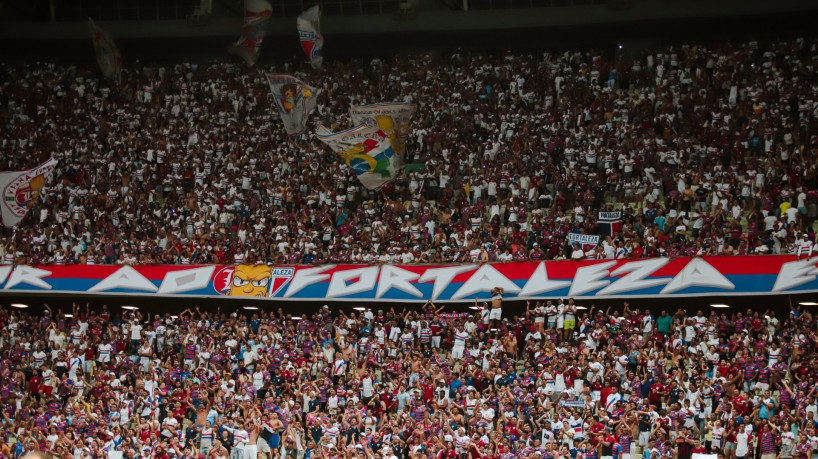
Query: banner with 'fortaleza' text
(655,277)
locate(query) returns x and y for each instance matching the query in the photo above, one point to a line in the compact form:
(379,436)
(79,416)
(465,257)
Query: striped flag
(608,223)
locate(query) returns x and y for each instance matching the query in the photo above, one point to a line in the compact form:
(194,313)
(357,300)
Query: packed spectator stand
(706,149)
(559,381)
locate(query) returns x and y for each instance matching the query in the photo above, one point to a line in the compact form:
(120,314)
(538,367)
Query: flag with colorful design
(21,189)
(309,32)
(256,19)
(108,57)
(295,101)
(366,150)
(393,118)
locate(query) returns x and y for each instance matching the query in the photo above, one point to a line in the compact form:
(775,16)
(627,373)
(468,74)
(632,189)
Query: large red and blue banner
(654,277)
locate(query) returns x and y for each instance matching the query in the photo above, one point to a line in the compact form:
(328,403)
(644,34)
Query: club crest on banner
(281,277)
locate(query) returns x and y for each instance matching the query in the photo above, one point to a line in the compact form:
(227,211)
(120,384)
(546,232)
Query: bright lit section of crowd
(560,381)
(699,150)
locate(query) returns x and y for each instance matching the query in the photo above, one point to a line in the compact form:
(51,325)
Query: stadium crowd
(560,381)
(707,150)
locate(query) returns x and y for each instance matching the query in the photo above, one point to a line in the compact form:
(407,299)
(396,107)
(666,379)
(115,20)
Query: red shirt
(428,392)
(655,396)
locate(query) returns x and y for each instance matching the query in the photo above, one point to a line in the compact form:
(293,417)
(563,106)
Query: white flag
(309,32)
(392,118)
(295,101)
(21,188)
(366,150)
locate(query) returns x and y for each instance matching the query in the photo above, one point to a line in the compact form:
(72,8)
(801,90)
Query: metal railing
(124,10)
(291,8)
(147,10)
(522,4)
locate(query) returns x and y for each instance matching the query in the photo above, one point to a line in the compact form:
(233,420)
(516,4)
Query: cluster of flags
(257,15)
(373,147)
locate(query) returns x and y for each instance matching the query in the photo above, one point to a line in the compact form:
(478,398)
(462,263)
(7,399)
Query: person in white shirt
(250,357)
(460,338)
(39,358)
(240,440)
(136,334)
(487,413)
(743,440)
(367,387)
(577,253)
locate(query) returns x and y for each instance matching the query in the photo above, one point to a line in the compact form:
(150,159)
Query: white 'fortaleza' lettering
(795,273)
(363,280)
(589,278)
(125,278)
(4,272)
(399,279)
(484,280)
(28,275)
(698,273)
(186,280)
(306,277)
(442,277)
(636,273)
(539,283)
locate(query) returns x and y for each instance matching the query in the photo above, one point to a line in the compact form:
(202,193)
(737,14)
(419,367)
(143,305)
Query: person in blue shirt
(767,408)
(660,221)
(454,386)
